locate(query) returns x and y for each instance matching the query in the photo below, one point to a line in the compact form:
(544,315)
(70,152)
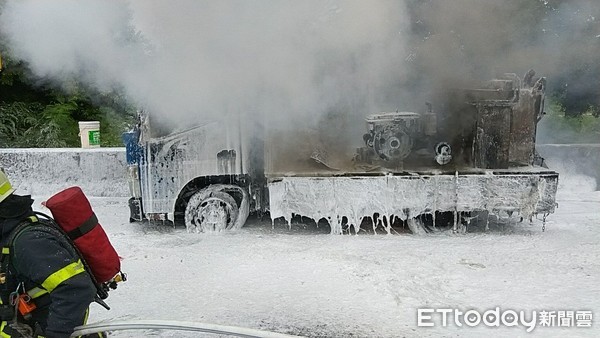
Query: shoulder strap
(7,249)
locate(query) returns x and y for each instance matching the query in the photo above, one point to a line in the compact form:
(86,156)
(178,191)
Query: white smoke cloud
(189,60)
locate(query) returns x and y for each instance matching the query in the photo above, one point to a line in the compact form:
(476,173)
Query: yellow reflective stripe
(5,187)
(36,292)
(2,333)
(33,218)
(62,275)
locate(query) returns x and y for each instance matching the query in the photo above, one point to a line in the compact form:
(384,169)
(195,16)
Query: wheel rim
(211,211)
(212,215)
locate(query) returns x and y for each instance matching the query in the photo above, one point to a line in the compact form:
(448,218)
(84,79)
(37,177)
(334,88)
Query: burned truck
(435,170)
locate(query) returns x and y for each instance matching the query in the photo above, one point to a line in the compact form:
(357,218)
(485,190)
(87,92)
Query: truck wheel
(212,209)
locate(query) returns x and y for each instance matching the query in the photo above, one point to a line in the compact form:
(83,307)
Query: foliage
(21,126)
(37,114)
(556,127)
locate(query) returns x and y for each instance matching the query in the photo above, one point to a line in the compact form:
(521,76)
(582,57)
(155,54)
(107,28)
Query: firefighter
(40,272)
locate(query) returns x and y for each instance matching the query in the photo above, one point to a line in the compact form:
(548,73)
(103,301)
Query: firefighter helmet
(5,188)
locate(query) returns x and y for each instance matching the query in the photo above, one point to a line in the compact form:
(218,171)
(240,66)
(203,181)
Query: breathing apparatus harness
(24,302)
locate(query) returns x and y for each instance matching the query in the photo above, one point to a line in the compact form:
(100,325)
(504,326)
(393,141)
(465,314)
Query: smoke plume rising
(187,61)
(297,63)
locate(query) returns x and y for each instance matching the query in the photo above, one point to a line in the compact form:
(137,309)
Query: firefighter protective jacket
(48,268)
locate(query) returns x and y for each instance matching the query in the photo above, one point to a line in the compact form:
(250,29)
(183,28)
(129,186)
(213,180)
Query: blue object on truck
(133,156)
(133,151)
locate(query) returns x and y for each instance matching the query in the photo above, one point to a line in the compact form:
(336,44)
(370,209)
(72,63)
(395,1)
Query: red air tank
(72,211)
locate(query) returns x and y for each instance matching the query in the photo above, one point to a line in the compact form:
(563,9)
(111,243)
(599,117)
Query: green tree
(38,114)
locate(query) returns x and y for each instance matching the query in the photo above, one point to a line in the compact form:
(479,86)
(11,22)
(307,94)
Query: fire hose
(175,326)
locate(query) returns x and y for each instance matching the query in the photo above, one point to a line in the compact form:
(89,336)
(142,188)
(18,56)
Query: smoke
(479,39)
(188,61)
(461,42)
(302,63)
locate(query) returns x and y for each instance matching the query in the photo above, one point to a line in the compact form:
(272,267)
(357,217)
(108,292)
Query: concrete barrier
(100,172)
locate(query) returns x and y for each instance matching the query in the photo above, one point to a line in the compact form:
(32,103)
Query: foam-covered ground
(319,285)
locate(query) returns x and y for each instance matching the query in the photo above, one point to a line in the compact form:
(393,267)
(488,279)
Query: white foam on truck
(406,196)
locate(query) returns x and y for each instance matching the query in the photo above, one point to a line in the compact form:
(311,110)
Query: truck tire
(212,209)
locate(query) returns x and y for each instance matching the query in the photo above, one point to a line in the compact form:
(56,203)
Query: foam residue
(406,197)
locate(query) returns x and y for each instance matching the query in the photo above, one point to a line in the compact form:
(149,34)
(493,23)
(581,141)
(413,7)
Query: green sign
(94,137)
